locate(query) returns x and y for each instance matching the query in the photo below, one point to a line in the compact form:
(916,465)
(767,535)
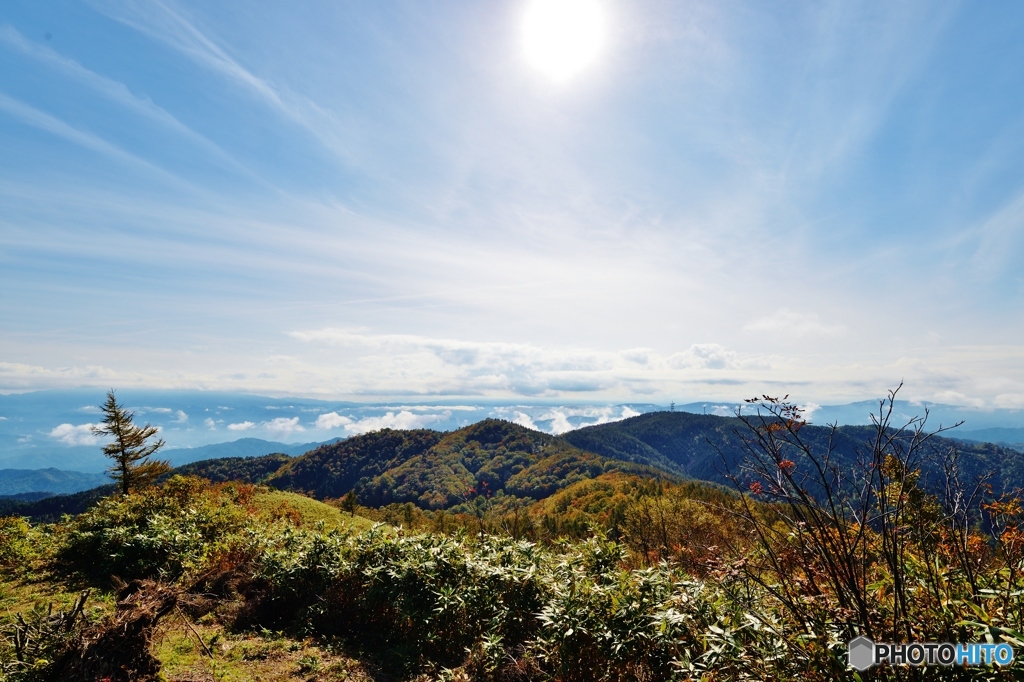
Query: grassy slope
(244,657)
(224,654)
(306,512)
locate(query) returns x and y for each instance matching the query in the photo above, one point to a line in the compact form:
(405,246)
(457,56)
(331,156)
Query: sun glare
(563,36)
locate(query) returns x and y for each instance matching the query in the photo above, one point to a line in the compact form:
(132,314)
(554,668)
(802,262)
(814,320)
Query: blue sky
(373,200)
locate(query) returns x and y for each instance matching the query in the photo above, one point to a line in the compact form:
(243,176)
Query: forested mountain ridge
(243,469)
(705,447)
(491,457)
(333,470)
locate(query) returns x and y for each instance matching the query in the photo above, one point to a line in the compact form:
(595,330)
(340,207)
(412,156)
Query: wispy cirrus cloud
(55,126)
(1000,239)
(115,91)
(167,23)
(16,375)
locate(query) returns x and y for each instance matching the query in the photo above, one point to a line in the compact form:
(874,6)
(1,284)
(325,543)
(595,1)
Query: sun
(562,37)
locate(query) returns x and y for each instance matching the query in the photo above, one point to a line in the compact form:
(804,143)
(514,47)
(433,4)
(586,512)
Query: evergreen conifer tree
(132,468)
(348,503)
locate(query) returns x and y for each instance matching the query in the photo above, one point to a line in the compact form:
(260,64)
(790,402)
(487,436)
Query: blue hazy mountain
(243,447)
(20,481)
(1000,435)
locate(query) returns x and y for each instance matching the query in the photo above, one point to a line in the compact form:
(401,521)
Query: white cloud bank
(1011,401)
(180,417)
(382,363)
(365,367)
(280,426)
(524,419)
(404,419)
(559,420)
(283,425)
(332,420)
(70,434)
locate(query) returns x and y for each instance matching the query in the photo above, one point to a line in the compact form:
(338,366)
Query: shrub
(167,532)
(19,542)
(421,599)
(514,610)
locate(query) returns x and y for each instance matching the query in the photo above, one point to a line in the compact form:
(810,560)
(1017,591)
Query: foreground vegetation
(612,577)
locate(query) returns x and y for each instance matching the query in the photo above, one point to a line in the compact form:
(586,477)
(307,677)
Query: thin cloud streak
(119,93)
(170,26)
(43,121)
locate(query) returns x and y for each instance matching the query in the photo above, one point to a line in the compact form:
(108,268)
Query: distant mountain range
(23,481)
(702,446)
(61,481)
(52,428)
(243,447)
(500,459)
(1013,438)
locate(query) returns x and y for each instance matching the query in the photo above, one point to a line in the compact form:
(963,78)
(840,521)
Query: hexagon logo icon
(860,653)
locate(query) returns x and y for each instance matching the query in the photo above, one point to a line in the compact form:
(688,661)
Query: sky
(370,201)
